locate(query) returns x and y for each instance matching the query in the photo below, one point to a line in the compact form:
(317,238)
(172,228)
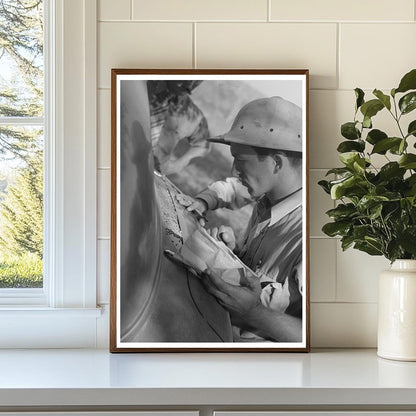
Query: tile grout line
(338,66)
(131,9)
(336,271)
(307,22)
(269,10)
(345,302)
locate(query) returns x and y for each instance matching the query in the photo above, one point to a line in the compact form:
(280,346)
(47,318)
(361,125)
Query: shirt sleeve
(277,296)
(230,193)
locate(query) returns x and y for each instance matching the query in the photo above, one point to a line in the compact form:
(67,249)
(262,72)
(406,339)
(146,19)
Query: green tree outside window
(21,143)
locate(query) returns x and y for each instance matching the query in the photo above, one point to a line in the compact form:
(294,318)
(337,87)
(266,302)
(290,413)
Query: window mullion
(22,121)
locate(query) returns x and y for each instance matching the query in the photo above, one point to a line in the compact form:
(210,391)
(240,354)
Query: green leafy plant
(376,210)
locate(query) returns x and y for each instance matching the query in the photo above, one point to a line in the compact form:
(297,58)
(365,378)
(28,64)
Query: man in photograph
(176,121)
(266,144)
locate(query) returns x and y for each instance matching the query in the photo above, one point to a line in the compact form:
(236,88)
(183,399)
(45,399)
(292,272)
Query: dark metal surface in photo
(160,301)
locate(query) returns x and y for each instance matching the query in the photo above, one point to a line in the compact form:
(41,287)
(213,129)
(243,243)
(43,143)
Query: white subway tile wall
(338,325)
(104,202)
(328,110)
(376,54)
(114,10)
(345,44)
(323,267)
(319,203)
(103,271)
(270,45)
(104,128)
(142,45)
(352,10)
(357,275)
(200,10)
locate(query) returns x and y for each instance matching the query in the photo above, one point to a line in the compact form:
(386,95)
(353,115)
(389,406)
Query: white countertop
(96,377)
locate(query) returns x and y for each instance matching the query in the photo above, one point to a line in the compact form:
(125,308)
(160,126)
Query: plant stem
(387,231)
(397,118)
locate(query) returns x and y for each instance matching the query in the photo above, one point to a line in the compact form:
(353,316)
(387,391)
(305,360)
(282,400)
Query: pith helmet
(272,123)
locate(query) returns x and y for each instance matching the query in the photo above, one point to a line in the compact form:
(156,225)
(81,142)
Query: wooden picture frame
(243,285)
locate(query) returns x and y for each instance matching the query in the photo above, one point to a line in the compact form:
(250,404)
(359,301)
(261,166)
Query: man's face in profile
(255,172)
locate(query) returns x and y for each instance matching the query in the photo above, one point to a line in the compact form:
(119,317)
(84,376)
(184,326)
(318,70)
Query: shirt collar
(285,207)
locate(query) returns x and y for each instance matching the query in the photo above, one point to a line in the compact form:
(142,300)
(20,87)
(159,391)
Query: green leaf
(371,108)
(348,158)
(408,161)
(393,92)
(411,130)
(391,170)
(325,186)
(349,131)
(408,102)
(367,122)
(408,82)
(374,242)
(374,136)
(391,211)
(412,201)
(385,99)
(359,165)
(399,148)
(346,242)
(383,145)
(349,146)
(342,211)
(375,211)
(359,95)
(411,181)
(407,239)
(369,201)
(338,171)
(340,188)
(336,228)
(393,250)
(361,231)
(402,147)
(368,248)
(413,211)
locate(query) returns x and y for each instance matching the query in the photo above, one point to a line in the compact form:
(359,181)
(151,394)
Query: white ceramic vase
(397,312)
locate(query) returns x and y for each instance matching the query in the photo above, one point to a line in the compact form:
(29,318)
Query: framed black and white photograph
(209,216)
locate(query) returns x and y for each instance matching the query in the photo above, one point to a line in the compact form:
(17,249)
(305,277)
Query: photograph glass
(209,242)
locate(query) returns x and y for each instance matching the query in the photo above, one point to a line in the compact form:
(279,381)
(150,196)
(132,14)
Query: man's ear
(277,163)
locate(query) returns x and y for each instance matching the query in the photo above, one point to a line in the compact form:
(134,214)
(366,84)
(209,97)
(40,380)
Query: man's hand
(238,300)
(198,205)
(225,234)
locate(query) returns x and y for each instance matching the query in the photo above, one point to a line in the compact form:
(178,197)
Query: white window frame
(64,313)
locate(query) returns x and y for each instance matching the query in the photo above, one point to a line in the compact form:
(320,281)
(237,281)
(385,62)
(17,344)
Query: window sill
(40,327)
(36,312)
(324,379)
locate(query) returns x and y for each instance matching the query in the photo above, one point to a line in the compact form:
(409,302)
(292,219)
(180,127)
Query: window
(22,127)
(63,312)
